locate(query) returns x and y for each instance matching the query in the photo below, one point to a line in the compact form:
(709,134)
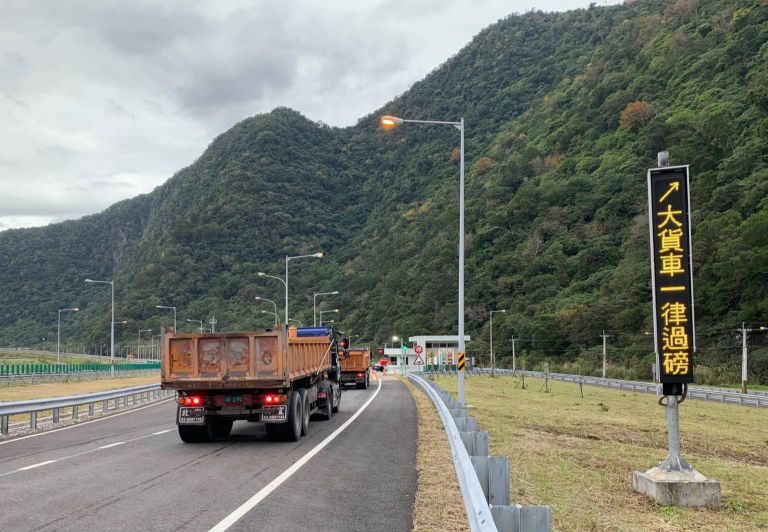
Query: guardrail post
(91,409)
(498,480)
(105,406)
(33,420)
(55,415)
(4,424)
(75,411)
(480,463)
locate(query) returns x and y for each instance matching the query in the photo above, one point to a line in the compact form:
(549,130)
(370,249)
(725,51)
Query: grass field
(22,357)
(59,389)
(577,454)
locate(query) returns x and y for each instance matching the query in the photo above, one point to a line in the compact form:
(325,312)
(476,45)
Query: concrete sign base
(677,488)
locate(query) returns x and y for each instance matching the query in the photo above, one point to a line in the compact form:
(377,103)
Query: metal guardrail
(758,399)
(483,479)
(478,511)
(34,407)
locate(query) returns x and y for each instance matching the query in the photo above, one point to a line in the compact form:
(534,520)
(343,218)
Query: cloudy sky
(104,100)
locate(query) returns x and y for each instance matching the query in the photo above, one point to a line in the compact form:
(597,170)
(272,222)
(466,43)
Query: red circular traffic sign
(418,349)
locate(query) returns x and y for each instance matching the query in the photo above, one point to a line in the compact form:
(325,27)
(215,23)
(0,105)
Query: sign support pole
(674,482)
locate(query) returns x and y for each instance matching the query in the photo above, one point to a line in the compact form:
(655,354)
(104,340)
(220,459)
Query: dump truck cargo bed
(247,360)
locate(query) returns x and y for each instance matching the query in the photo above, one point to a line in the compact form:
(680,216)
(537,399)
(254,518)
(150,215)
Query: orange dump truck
(356,368)
(278,377)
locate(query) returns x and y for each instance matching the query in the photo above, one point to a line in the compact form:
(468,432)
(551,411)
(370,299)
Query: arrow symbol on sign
(673,186)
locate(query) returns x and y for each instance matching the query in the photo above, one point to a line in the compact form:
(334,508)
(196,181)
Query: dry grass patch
(577,455)
(438,504)
(63,389)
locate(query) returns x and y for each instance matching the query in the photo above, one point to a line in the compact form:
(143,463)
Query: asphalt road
(131,472)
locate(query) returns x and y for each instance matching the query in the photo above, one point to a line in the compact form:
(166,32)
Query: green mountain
(564,114)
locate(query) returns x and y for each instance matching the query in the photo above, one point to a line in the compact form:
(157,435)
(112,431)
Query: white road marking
(112,445)
(109,416)
(33,466)
(88,451)
(248,505)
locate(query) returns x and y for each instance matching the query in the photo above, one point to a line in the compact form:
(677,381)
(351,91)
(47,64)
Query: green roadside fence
(62,369)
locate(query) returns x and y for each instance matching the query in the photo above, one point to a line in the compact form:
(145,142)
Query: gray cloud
(105,100)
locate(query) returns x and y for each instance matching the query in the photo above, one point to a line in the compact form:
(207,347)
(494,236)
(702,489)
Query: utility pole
(514,360)
(605,338)
(744,368)
(213,323)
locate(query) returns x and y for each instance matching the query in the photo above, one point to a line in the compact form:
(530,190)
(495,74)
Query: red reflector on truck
(193,400)
(361,374)
(275,399)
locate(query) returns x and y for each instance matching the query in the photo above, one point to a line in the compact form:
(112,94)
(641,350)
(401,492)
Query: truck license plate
(233,399)
(191,416)
(274,413)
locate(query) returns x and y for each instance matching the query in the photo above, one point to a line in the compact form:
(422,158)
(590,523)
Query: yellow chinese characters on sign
(673,284)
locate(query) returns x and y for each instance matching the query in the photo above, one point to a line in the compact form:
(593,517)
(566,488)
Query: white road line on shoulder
(33,466)
(112,445)
(262,494)
(82,453)
(109,416)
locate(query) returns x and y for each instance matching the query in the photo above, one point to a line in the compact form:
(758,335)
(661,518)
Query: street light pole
(58,332)
(174,315)
(326,312)
(112,328)
(314,303)
(277,318)
(493,359)
(318,255)
(391,122)
(259,298)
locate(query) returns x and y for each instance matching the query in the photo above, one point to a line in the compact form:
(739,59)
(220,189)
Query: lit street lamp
(112,323)
(389,122)
(296,321)
(314,303)
(58,332)
(258,298)
(493,359)
(197,321)
(336,311)
(174,314)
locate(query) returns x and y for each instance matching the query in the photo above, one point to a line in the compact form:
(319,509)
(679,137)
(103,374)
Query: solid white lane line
(111,445)
(248,505)
(109,416)
(36,465)
(161,432)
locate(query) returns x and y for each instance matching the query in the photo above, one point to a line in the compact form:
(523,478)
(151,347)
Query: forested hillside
(564,114)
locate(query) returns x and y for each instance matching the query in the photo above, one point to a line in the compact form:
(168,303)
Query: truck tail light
(322,395)
(191,400)
(275,399)
(361,374)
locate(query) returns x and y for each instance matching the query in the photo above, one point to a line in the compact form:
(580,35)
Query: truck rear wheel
(292,429)
(220,427)
(338,400)
(328,410)
(192,433)
(304,411)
